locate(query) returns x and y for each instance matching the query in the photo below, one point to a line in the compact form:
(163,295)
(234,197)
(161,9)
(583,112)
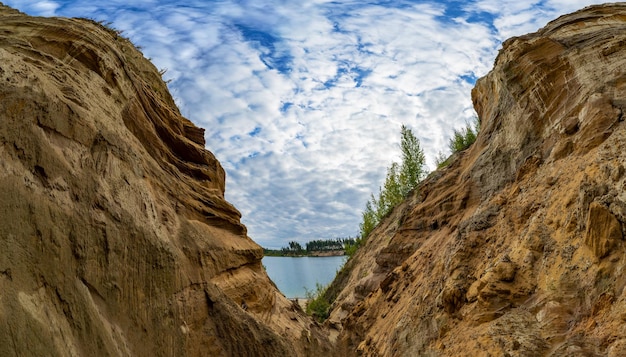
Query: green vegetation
(325,245)
(461,140)
(401,179)
(412,169)
(335,246)
(442,160)
(351,248)
(318,305)
(370,220)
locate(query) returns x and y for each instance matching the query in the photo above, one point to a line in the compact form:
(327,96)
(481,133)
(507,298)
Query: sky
(302,100)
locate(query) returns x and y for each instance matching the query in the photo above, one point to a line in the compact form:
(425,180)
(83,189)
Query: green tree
(392,190)
(369,221)
(400,180)
(391,194)
(380,205)
(350,248)
(295,246)
(413,160)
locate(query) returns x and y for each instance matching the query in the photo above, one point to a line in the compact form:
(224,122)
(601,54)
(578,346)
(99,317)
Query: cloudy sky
(302,100)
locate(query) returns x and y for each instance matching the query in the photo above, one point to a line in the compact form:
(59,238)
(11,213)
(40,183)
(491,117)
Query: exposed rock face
(115,238)
(516,248)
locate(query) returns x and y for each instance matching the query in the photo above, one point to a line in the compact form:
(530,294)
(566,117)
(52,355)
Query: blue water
(294,276)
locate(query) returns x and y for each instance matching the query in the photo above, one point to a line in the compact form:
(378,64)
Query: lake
(293,275)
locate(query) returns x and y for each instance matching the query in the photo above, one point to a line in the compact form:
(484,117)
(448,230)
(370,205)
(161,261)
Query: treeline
(337,245)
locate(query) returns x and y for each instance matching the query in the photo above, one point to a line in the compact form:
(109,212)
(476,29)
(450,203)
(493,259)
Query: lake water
(293,275)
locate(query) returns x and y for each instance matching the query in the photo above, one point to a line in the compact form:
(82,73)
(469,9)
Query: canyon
(116,238)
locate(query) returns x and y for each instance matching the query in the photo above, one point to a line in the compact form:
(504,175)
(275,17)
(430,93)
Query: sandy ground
(301,302)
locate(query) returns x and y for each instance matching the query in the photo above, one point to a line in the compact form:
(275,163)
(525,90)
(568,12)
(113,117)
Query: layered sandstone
(517,248)
(115,237)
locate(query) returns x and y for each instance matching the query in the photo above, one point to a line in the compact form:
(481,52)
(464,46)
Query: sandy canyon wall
(115,238)
(516,248)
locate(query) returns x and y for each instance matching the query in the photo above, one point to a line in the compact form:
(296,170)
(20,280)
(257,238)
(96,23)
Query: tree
(295,246)
(380,205)
(400,180)
(413,160)
(392,190)
(369,221)
(390,194)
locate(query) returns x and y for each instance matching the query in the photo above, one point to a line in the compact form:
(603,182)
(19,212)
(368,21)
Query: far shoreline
(319,253)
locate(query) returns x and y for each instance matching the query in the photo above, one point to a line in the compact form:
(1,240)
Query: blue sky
(302,100)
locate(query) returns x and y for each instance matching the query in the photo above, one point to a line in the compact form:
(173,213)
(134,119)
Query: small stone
(603,230)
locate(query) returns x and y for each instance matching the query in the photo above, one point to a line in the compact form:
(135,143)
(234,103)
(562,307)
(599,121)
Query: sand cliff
(115,237)
(517,248)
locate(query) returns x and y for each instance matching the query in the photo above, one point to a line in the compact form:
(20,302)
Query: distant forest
(318,247)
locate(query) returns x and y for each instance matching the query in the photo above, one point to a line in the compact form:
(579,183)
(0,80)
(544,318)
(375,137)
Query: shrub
(464,138)
(442,160)
(317,305)
(350,248)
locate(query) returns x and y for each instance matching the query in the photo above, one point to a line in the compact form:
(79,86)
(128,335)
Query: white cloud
(40,8)
(515,18)
(302,101)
